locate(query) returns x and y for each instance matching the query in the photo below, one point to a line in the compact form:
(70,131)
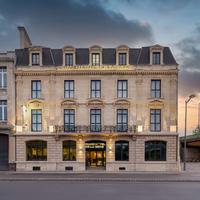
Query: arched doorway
(95,154)
(3,152)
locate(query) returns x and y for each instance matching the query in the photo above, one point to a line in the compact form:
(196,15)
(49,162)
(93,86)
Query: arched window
(36,150)
(69,150)
(122,151)
(155,151)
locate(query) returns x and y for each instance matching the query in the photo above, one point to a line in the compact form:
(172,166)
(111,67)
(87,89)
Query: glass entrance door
(95,154)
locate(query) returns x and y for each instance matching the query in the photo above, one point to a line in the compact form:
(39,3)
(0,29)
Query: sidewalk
(191,175)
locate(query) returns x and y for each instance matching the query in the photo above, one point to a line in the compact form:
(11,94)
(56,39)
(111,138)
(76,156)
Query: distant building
(112,109)
(7,111)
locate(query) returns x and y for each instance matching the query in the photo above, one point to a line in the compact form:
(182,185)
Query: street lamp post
(186,102)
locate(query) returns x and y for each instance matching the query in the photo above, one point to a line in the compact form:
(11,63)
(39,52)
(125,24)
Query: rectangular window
(69,89)
(122,88)
(155,88)
(95,59)
(95,120)
(155,120)
(122,120)
(3,110)
(69,120)
(122,58)
(156,58)
(36,120)
(95,89)
(35,59)
(35,89)
(3,77)
(69,59)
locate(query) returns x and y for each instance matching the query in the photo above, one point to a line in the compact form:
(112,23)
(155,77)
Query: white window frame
(3,75)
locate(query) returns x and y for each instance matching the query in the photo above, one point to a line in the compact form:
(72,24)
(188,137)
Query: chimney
(25,41)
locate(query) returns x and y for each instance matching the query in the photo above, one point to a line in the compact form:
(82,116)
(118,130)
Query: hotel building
(112,109)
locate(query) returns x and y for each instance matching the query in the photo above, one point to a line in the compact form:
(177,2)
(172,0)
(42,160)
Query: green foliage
(197,131)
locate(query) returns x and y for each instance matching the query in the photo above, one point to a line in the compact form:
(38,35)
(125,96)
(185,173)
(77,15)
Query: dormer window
(122,58)
(95,59)
(69,59)
(156,55)
(122,55)
(156,58)
(35,59)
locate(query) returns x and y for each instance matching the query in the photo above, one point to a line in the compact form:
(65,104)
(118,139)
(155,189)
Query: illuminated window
(69,150)
(36,150)
(95,59)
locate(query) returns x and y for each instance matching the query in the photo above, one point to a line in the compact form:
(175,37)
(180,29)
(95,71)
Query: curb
(125,180)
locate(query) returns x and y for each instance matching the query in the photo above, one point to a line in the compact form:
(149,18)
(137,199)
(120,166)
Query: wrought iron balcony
(95,129)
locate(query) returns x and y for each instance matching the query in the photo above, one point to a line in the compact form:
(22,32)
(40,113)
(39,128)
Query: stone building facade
(112,109)
(7,111)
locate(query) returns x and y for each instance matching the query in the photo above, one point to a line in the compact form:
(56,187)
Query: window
(155,119)
(3,110)
(95,89)
(36,150)
(69,120)
(155,151)
(95,120)
(122,88)
(69,150)
(122,58)
(155,88)
(36,89)
(3,77)
(121,151)
(35,59)
(122,120)
(156,58)
(69,59)
(95,58)
(69,89)
(36,120)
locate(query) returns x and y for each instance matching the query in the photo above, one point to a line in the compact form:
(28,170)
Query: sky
(109,23)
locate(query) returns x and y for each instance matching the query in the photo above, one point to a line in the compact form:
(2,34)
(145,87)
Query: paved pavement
(191,175)
(48,190)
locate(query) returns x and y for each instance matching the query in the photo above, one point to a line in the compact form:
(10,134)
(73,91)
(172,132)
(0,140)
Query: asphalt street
(60,190)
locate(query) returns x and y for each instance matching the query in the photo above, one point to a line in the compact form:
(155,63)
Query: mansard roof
(54,57)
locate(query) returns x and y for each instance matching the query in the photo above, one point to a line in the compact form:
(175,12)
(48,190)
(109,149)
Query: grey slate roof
(54,57)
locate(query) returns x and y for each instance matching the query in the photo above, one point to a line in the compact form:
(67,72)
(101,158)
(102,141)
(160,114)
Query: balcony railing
(95,129)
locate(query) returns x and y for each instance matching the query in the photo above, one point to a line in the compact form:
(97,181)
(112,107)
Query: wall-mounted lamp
(140,128)
(19,129)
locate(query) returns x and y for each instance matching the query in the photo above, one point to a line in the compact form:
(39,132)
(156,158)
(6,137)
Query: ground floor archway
(95,154)
(3,152)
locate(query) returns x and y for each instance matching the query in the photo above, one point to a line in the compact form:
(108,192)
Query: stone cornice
(96,72)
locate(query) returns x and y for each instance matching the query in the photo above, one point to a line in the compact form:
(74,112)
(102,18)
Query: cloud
(55,23)
(188,58)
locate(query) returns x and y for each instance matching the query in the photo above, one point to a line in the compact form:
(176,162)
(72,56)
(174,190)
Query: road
(60,190)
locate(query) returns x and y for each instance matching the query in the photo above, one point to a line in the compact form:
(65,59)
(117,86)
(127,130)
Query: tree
(197,131)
